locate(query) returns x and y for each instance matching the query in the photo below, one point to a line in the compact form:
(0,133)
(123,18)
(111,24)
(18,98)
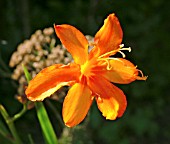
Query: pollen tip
(121,45)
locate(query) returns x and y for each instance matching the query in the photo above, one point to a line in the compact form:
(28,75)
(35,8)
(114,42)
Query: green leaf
(46,126)
(27,74)
(3,129)
(4,134)
(30,139)
(45,123)
(10,125)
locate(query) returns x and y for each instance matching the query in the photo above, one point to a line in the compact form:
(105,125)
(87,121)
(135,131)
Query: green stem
(10,125)
(30,139)
(5,134)
(18,115)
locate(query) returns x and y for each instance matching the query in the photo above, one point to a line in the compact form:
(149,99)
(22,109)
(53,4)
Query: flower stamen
(108,54)
(123,55)
(128,49)
(142,77)
(120,49)
(106,60)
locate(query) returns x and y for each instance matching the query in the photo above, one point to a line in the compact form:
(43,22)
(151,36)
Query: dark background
(146,27)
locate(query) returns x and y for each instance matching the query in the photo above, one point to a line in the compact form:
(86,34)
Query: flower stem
(18,115)
(5,134)
(10,125)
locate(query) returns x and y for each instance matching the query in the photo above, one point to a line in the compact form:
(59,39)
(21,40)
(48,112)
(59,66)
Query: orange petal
(110,100)
(76,104)
(121,71)
(74,41)
(109,37)
(50,80)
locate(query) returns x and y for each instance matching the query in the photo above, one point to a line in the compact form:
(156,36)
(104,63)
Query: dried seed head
(37,53)
(48,31)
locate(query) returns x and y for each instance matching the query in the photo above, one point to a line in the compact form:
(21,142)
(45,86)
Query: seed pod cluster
(36,53)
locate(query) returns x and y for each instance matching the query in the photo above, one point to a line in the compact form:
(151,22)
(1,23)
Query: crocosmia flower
(90,75)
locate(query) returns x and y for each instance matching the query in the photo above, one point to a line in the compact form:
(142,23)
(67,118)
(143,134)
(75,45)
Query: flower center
(93,65)
(86,68)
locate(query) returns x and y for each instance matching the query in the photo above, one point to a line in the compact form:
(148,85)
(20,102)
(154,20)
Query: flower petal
(74,41)
(110,100)
(76,104)
(121,71)
(50,80)
(109,37)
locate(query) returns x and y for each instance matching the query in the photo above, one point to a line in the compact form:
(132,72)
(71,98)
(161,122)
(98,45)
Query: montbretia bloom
(90,75)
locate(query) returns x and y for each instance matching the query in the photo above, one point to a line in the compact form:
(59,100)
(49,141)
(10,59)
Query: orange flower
(90,75)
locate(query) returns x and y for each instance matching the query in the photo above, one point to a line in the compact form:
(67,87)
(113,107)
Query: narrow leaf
(3,129)
(27,74)
(46,126)
(45,123)
(4,133)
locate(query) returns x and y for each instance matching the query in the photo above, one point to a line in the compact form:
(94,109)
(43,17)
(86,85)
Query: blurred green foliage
(146,28)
